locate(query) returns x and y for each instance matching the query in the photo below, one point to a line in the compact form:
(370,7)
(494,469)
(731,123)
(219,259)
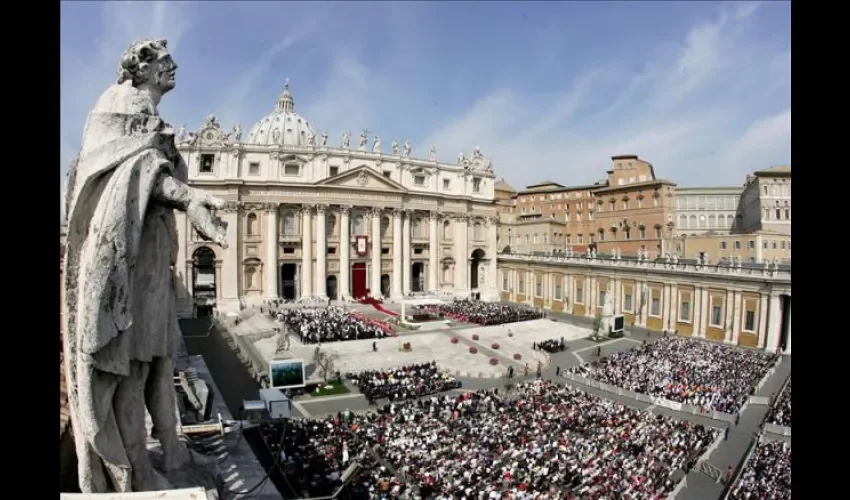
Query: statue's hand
(200,215)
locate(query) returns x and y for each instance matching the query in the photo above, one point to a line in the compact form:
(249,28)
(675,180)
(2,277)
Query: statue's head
(147,63)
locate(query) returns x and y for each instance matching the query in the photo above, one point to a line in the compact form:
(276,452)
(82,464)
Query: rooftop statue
(119,311)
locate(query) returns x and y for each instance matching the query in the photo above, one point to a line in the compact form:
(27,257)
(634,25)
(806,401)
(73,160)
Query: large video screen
(619,323)
(287,374)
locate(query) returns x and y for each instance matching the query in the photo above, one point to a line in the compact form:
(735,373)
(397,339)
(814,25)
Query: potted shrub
(494,345)
(455,340)
(473,350)
(517,356)
(475,336)
(494,361)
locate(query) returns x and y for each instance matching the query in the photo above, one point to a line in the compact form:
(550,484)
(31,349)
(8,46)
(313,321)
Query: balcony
(290,238)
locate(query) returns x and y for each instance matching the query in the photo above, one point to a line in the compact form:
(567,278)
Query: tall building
(310,219)
(635,211)
(766,201)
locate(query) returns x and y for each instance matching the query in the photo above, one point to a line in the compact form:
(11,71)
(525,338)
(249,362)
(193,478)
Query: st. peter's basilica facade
(310,219)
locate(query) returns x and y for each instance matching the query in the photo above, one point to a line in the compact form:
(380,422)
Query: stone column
(375,288)
(762,319)
(588,298)
(736,317)
(397,256)
(461,255)
(433,252)
(706,304)
(728,324)
(645,302)
(617,289)
(229,284)
(774,324)
(697,312)
(405,252)
(321,252)
(492,251)
(306,251)
(674,306)
(272,245)
(665,307)
(344,252)
(788,343)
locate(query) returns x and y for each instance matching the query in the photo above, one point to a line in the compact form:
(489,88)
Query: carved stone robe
(119,288)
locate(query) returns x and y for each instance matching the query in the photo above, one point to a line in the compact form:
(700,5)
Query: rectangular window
(476,185)
(750,321)
(723,245)
(419,180)
(505,283)
(600,298)
(627,302)
(558,292)
(579,295)
(685,310)
(737,245)
(539,289)
(657,232)
(288,250)
(446,184)
(751,245)
(254,168)
(334,170)
(207,162)
(387,173)
(291,169)
(522,287)
(717,315)
(655,308)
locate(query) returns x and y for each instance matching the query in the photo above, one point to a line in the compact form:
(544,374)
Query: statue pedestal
(199,471)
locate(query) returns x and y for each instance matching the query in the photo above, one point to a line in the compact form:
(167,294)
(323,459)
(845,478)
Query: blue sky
(549,90)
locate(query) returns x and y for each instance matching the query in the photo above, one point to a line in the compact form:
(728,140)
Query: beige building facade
(758,247)
(766,201)
(734,305)
(701,210)
(307,219)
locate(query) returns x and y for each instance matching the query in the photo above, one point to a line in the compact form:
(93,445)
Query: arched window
(787,211)
(447,230)
(683,221)
(601,235)
(252,226)
(712,221)
(730,222)
(385,226)
(289,224)
(358,225)
(692,222)
(534,239)
(330,225)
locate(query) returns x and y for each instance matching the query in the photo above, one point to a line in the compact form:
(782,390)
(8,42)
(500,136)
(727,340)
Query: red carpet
(378,305)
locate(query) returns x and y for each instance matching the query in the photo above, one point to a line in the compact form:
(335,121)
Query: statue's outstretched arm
(197,205)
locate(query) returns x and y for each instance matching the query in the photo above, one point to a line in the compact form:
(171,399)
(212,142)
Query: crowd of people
(702,374)
(407,382)
(780,412)
(551,345)
(544,441)
(767,474)
(331,324)
(485,313)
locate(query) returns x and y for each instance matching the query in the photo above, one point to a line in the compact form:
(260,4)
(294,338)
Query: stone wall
(64,415)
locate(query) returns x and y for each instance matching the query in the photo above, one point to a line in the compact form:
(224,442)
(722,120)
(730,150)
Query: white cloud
(687,112)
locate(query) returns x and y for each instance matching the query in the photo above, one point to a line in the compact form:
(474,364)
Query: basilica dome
(283,126)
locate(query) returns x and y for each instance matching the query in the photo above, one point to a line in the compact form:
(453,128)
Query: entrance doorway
(330,286)
(417,272)
(385,285)
(475,263)
(358,280)
(289,281)
(203,280)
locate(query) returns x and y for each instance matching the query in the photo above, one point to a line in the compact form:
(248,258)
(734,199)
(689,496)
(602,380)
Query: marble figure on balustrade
(120,297)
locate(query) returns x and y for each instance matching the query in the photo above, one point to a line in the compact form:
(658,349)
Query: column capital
(345,209)
(376,211)
(434,215)
(398,213)
(321,209)
(231,206)
(272,207)
(307,209)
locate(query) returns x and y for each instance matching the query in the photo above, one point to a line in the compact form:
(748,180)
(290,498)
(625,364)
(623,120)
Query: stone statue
(120,303)
(461,158)
(376,145)
(477,152)
(311,138)
(236,134)
(407,148)
(276,135)
(432,154)
(364,139)
(212,122)
(325,138)
(181,134)
(395,147)
(346,140)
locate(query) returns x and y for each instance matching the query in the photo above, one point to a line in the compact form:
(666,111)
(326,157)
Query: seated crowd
(407,382)
(767,475)
(546,441)
(702,374)
(551,345)
(331,324)
(780,412)
(485,313)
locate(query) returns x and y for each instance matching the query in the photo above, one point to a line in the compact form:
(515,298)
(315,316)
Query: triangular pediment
(362,178)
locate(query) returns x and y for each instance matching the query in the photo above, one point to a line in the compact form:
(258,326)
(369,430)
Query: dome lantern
(285,102)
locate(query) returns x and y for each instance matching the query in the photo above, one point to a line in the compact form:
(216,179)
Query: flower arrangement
(475,336)
(494,361)
(517,356)
(495,345)
(473,350)
(455,340)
